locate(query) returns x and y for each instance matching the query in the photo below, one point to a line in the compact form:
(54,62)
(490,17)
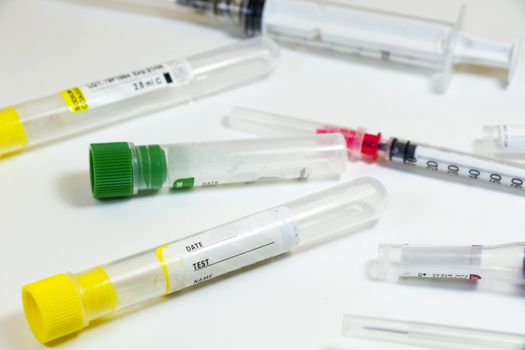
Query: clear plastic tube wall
(66,303)
(134,93)
(505,262)
(122,169)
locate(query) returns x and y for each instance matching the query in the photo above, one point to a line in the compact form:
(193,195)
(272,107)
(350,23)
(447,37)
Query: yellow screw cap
(63,304)
(53,307)
(12,133)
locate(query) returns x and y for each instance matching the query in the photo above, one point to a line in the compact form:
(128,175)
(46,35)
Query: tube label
(226,248)
(435,262)
(75,100)
(206,180)
(124,86)
(512,137)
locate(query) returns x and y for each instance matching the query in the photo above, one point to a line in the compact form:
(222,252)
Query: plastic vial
(420,33)
(66,303)
(122,169)
(504,262)
(134,93)
(430,335)
(503,141)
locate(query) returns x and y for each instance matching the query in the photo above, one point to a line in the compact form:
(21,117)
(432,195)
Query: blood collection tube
(503,141)
(373,146)
(66,303)
(423,34)
(505,262)
(122,169)
(134,93)
(429,335)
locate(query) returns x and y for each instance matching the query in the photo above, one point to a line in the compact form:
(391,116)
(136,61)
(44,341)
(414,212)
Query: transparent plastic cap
(339,209)
(429,335)
(235,64)
(491,143)
(389,261)
(503,141)
(271,125)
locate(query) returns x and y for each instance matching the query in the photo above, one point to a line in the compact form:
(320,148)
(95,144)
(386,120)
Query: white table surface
(50,224)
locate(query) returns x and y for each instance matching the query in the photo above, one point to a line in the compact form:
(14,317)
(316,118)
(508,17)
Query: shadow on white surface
(499,75)
(351,343)
(378,346)
(361,229)
(16,334)
(372,345)
(75,189)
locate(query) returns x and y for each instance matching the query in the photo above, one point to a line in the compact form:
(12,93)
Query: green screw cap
(111,170)
(115,167)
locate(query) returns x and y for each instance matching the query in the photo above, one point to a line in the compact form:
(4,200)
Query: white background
(50,224)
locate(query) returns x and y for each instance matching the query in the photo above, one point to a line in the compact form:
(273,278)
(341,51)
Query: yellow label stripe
(159,253)
(75,100)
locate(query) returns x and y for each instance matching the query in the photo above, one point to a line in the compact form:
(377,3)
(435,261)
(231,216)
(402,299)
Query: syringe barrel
(245,16)
(509,175)
(503,141)
(426,35)
(122,169)
(66,303)
(504,262)
(135,93)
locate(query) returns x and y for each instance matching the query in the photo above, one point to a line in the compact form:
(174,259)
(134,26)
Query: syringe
(425,33)
(122,169)
(66,303)
(430,335)
(505,262)
(135,93)
(373,146)
(503,141)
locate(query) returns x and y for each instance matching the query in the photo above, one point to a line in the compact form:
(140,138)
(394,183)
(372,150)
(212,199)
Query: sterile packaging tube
(430,335)
(361,144)
(134,93)
(66,303)
(503,141)
(122,169)
(504,262)
(420,33)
